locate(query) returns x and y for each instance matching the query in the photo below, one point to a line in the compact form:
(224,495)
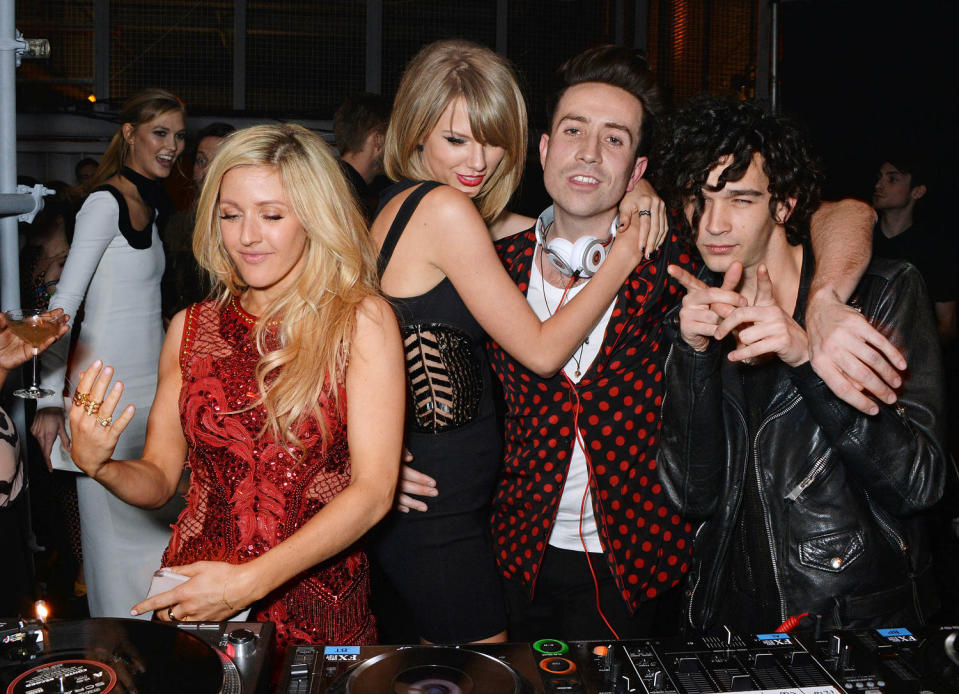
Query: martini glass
(34,327)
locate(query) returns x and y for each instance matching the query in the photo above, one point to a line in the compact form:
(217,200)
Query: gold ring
(80,399)
(104,422)
(645,213)
(93,406)
(169,613)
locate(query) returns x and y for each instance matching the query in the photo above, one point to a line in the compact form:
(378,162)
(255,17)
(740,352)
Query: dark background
(866,76)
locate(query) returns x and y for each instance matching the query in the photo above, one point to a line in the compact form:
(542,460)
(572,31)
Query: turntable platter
(431,670)
(123,656)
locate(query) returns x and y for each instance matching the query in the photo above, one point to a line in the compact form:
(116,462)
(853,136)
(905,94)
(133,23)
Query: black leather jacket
(841,491)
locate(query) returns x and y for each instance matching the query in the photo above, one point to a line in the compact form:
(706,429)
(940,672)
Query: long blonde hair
(140,108)
(438,75)
(316,318)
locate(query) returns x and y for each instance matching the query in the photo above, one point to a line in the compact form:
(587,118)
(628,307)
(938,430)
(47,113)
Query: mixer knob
(243,642)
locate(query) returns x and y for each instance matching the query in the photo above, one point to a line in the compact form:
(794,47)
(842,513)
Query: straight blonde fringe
(438,75)
(304,336)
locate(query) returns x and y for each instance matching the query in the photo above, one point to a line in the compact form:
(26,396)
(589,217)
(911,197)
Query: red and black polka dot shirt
(616,408)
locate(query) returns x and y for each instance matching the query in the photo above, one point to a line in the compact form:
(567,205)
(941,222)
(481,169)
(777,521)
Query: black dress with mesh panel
(441,561)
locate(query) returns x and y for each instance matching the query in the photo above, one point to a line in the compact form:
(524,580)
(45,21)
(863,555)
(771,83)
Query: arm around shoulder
(898,453)
(460,246)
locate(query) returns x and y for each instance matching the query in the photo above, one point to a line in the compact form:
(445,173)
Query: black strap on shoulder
(401,220)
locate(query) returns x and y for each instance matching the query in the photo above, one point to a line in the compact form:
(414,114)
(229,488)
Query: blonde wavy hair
(438,75)
(316,318)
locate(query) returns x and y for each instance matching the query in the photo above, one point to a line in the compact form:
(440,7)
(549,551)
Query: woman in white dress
(115,265)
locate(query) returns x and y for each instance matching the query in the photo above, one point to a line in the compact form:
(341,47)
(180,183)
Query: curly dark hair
(708,129)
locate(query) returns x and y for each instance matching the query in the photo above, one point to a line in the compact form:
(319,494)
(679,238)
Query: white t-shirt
(545,300)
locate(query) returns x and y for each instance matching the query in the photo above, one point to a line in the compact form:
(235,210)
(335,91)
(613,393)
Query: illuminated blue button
(894,632)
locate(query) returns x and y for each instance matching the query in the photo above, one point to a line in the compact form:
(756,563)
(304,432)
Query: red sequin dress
(249,493)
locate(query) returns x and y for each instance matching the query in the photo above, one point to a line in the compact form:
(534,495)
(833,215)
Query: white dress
(121,326)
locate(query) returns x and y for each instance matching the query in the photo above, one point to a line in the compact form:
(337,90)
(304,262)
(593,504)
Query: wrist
(252,581)
(624,257)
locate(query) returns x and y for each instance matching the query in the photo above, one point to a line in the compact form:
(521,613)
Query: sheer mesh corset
(445,382)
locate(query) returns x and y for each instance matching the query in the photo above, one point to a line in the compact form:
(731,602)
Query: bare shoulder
(170,353)
(445,205)
(439,207)
(374,316)
(175,329)
(508,224)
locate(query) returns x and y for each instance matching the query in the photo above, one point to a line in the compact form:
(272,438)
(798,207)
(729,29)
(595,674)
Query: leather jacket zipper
(762,498)
(692,591)
(813,475)
(880,517)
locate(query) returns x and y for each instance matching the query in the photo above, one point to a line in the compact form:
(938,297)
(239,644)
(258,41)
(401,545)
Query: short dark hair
(617,66)
(220,130)
(708,129)
(356,118)
(907,162)
(86,161)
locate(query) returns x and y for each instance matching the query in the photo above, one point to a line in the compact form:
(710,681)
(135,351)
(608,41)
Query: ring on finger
(645,213)
(104,422)
(93,406)
(169,613)
(80,399)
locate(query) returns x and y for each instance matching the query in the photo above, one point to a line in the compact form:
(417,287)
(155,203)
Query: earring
(419,148)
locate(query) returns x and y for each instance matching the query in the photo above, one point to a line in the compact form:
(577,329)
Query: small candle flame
(42,610)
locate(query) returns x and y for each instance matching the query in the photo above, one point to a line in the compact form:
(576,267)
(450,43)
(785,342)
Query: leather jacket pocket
(832,552)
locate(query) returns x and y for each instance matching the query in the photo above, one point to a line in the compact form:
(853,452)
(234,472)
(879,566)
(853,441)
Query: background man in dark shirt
(359,128)
(900,185)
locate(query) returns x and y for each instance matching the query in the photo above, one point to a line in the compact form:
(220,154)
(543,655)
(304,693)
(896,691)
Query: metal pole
(9,248)
(619,19)
(374,46)
(641,31)
(502,27)
(763,77)
(101,50)
(239,55)
(774,59)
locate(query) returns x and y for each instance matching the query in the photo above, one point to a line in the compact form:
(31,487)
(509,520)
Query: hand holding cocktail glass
(25,333)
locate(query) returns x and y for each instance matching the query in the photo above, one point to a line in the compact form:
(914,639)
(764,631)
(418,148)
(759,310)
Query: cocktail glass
(34,327)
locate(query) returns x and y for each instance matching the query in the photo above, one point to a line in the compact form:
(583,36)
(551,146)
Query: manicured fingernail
(117,386)
(134,613)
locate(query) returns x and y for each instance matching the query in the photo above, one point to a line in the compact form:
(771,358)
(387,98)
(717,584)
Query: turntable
(123,656)
(503,668)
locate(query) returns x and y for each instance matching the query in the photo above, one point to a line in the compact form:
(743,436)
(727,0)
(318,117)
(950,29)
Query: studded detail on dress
(249,492)
(445,383)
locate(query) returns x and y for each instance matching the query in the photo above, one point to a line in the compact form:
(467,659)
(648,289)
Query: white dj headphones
(581,258)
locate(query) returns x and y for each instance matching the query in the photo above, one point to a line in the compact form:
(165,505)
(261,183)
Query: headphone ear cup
(561,254)
(589,253)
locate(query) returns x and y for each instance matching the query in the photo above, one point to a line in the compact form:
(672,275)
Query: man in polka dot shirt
(585,539)
(587,542)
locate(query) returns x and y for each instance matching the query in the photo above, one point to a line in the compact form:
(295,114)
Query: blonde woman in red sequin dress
(286,393)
